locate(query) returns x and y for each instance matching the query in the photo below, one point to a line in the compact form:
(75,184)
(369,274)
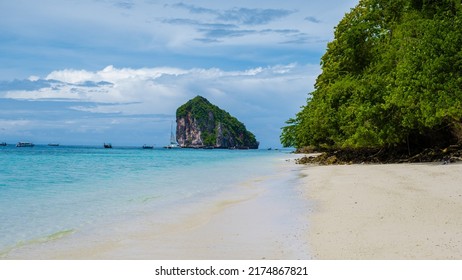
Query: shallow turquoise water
(48,192)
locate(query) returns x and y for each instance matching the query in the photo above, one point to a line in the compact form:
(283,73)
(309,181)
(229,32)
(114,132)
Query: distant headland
(200,124)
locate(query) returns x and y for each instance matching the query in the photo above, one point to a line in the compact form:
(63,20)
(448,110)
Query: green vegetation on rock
(212,125)
(392,77)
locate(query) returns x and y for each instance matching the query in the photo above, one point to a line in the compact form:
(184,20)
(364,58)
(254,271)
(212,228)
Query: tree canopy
(392,76)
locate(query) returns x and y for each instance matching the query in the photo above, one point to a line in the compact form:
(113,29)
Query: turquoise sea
(47,193)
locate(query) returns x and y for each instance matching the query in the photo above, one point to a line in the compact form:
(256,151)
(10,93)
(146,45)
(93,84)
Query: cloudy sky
(94,71)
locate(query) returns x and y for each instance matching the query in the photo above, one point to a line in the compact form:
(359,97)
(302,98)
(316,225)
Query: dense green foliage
(210,118)
(392,76)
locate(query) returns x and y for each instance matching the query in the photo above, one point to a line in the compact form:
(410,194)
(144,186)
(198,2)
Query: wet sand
(396,211)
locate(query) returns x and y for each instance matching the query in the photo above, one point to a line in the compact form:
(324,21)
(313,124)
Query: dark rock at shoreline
(449,154)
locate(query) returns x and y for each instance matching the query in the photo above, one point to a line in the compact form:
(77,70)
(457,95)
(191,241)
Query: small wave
(145,199)
(44,239)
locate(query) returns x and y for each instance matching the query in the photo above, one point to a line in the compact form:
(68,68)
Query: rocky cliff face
(188,133)
(202,124)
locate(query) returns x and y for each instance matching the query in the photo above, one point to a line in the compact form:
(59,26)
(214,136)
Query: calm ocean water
(49,192)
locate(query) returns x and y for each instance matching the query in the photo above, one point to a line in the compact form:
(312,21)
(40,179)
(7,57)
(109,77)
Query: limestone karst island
(200,124)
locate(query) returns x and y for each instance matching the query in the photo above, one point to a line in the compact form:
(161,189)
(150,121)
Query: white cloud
(33,78)
(111,74)
(70,76)
(127,85)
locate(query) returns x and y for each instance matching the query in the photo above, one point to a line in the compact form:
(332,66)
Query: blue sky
(94,71)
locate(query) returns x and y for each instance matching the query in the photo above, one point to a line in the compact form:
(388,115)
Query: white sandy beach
(396,211)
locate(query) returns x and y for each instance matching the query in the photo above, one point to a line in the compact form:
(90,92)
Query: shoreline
(390,211)
(346,212)
(260,218)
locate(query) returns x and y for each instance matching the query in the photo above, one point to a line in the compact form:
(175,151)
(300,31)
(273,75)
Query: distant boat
(24,144)
(148,147)
(53,144)
(107,145)
(3,144)
(173,144)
